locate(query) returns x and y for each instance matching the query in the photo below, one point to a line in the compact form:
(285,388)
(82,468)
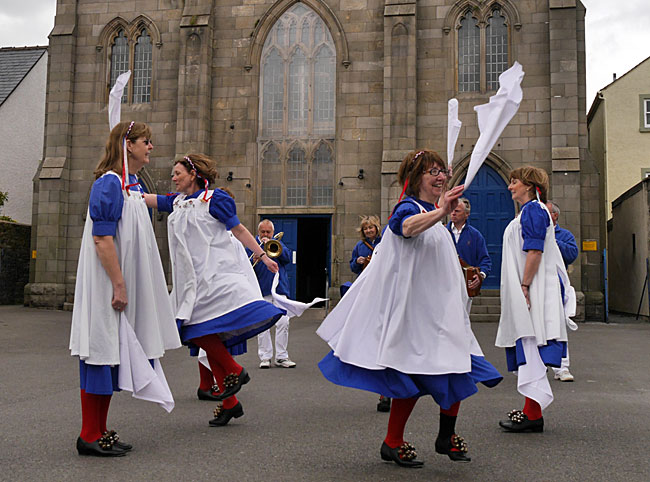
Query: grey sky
(616,34)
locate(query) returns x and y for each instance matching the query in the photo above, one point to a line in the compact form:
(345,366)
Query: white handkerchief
(494,116)
(293,308)
(136,374)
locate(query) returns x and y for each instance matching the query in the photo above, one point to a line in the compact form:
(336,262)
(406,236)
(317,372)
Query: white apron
(95,330)
(548,316)
(210,279)
(406,310)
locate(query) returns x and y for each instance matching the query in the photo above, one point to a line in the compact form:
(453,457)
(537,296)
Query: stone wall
(395,71)
(14,261)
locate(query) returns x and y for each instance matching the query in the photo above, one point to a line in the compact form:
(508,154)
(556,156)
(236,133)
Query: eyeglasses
(434,171)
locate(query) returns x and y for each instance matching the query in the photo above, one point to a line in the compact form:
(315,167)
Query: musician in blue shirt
(265,231)
(569,251)
(470,243)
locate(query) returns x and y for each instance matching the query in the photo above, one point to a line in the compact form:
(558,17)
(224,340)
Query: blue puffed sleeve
(355,267)
(402,211)
(166,202)
(222,207)
(105,205)
(534,221)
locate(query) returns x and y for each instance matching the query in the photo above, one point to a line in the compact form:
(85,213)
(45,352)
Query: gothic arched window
(142,69)
(132,50)
(119,58)
(297,111)
(483,40)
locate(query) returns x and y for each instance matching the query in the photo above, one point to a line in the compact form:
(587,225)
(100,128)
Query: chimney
(614,76)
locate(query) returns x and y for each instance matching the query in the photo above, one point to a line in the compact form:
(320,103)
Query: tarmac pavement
(299,427)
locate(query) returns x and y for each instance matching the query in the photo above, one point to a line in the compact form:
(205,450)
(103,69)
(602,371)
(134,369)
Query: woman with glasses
(119,271)
(402,330)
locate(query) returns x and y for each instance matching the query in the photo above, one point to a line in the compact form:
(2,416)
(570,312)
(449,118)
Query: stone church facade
(308,108)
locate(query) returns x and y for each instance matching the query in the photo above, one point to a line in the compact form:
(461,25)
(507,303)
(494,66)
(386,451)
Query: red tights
(532,409)
(400,411)
(94,412)
(221,362)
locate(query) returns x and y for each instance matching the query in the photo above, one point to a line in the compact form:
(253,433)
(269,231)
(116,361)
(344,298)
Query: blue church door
(492,210)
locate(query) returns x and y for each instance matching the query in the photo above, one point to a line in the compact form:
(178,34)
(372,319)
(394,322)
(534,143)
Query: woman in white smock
(119,271)
(534,315)
(215,304)
(402,329)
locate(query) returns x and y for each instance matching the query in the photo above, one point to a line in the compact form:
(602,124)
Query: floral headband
(205,197)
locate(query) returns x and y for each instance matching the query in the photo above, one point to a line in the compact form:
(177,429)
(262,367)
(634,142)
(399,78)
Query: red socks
(451,411)
(532,409)
(219,375)
(218,354)
(206,378)
(94,411)
(400,411)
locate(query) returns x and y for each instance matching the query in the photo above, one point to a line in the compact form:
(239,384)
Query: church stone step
(484,317)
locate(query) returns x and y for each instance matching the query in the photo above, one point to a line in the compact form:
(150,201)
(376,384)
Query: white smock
(210,278)
(548,316)
(96,335)
(406,310)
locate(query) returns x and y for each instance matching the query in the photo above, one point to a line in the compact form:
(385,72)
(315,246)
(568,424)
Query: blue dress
(105,209)
(236,325)
(534,223)
(446,388)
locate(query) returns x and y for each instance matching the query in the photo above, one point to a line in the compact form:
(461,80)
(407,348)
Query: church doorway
(492,210)
(309,237)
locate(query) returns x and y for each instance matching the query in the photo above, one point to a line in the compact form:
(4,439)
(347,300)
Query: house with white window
(23,76)
(308,107)
(619,132)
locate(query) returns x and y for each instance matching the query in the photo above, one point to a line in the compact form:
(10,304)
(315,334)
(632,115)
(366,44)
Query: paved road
(299,427)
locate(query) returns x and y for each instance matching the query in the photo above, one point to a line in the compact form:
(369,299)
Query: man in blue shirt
(569,250)
(470,243)
(265,231)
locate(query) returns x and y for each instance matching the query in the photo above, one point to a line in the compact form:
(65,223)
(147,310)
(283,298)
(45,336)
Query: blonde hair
(113,154)
(368,221)
(535,177)
(413,166)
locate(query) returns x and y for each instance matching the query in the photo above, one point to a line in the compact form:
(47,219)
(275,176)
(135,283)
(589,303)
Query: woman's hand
(270,264)
(120,299)
(151,200)
(526,290)
(449,200)
(361,260)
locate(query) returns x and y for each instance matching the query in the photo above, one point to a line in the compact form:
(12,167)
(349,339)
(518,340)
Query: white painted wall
(22,123)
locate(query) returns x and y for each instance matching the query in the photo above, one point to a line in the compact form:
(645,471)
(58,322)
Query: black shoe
(94,449)
(112,436)
(384,404)
(222,417)
(454,447)
(404,455)
(208,394)
(519,422)
(232,384)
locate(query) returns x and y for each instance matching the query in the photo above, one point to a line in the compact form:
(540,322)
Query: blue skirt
(551,354)
(445,389)
(236,326)
(98,379)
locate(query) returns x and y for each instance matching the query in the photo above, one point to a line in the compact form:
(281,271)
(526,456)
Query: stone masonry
(396,70)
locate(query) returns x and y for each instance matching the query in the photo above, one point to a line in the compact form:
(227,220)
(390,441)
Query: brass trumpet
(272,248)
